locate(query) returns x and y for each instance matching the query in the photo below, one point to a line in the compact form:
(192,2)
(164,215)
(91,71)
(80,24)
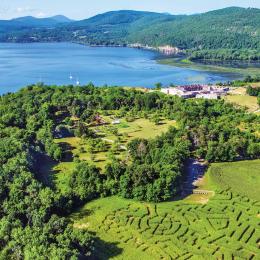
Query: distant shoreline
(183,63)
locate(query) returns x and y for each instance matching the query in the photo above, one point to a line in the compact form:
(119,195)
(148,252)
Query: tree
(253,150)
(137,148)
(158,85)
(85,182)
(156,119)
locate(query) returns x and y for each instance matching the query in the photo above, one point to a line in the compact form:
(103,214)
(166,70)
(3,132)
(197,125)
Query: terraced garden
(227,227)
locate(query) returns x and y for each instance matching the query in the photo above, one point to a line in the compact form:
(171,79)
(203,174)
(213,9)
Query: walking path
(195,171)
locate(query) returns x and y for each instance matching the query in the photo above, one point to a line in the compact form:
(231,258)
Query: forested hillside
(33,120)
(233,31)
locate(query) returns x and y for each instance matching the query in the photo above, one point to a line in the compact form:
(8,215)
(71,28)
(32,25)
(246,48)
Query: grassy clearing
(143,128)
(61,173)
(238,97)
(224,228)
(250,103)
(242,177)
(77,147)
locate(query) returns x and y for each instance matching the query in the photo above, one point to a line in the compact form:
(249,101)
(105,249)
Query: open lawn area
(114,142)
(242,177)
(243,100)
(142,128)
(227,227)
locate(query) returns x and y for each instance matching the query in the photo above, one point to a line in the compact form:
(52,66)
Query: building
(208,95)
(196,91)
(169,50)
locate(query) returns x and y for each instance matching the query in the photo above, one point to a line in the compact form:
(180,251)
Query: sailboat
(40,81)
(70,77)
(77,82)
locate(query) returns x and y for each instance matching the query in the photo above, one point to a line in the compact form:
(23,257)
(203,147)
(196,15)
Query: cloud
(40,14)
(26,9)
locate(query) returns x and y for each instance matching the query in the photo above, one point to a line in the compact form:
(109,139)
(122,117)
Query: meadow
(242,177)
(227,227)
(114,137)
(250,103)
(239,97)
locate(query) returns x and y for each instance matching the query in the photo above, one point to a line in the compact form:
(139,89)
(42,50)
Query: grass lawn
(242,177)
(227,227)
(140,128)
(144,128)
(61,173)
(244,101)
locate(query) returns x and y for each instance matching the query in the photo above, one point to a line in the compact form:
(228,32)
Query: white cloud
(41,14)
(25,9)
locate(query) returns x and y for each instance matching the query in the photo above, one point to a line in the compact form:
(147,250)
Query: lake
(67,63)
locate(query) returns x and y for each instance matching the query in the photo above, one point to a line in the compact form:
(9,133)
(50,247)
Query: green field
(250,103)
(242,177)
(227,227)
(142,128)
(139,128)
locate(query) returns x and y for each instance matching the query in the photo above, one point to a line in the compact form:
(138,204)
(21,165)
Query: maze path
(225,228)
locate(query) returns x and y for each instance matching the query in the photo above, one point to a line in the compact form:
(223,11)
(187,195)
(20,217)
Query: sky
(81,9)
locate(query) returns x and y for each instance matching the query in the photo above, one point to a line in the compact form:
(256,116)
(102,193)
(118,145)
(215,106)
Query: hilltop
(235,31)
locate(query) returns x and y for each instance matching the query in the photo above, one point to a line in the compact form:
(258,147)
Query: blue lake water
(54,63)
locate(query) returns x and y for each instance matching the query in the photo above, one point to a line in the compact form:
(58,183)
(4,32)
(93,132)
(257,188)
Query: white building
(208,95)
(198,91)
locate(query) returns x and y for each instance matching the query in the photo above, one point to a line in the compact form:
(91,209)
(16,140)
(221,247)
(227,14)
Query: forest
(33,215)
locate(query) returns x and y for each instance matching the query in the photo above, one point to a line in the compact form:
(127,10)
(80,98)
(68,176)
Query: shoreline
(240,72)
(171,60)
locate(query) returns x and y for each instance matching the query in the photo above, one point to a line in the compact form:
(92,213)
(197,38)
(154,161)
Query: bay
(68,63)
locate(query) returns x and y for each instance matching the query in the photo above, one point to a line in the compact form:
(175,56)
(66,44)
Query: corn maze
(228,227)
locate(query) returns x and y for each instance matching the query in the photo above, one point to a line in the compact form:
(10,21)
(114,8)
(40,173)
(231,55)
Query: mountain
(229,33)
(61,19)
(225,28)
(116,18)
(30,21)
